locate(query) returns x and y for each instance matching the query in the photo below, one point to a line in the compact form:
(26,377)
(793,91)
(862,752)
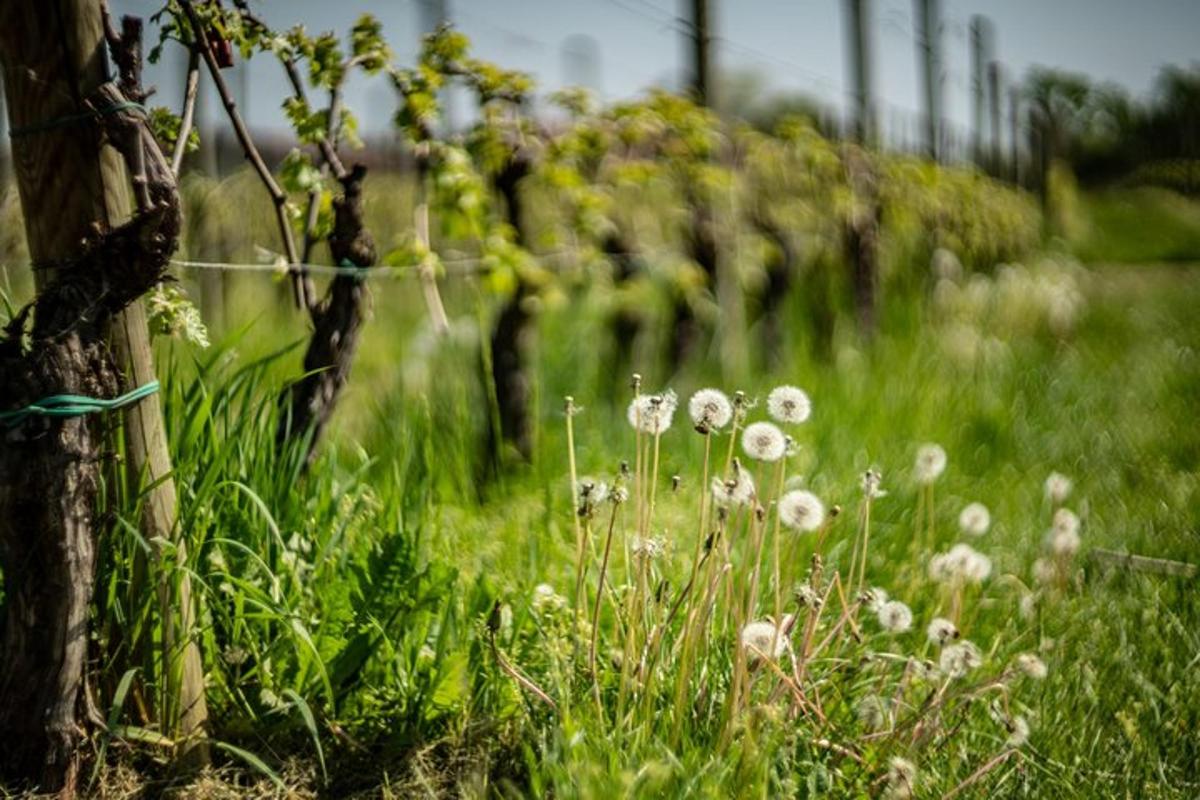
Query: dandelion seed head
(789,405)
(941,631)
(1018,731)
(930,463)
(871,481)
(652,413)
(1065,521)
(874,599)
(1032,666)
(710,410)
(590,493)
(872,711)
(1058,488)
(895,617)
(956,660)
(762,441)
(1044,571)
(1027,606)
(807,596)
(1064,542)
(975,519)
(801,510)
(738,490)
(650,548)
(901,778)
(758,636)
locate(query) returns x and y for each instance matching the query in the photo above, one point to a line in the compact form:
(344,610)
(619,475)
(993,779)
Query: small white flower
(957,660)
(802,511)
(789,404)
(1027,605)
(1058,488)
(941,631)
(762,441)
(939,568)
(961,563)
(895,617)
(652,413)
(931,462)
(1018,732)
(758,636)
(1032,666)
(710,410)
(975,519)
(546,599)
(871,481)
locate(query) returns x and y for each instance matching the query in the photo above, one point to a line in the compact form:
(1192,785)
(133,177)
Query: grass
(1145,224)
(364,591)
(348,614)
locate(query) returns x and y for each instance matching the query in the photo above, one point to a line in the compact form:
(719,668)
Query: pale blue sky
(796,45)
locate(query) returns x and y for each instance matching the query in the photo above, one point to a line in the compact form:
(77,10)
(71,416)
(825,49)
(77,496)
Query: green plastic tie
(72,119)
(75,405)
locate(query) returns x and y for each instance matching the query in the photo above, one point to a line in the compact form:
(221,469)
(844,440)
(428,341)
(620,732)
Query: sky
(794,46)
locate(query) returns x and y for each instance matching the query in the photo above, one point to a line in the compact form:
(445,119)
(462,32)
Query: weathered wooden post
(71,142)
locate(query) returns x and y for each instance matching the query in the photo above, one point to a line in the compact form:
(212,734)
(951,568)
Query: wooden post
(994,86)
(863,125)
(70,184)
(929,34)
(700,39)
(979,35)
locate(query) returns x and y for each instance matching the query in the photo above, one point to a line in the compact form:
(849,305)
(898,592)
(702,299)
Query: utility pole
(700,39)
(929,57)
(980,35)
(995,79)
(857,13)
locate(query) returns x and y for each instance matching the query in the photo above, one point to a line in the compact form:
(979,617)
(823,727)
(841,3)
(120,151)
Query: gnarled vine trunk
(701,241)
(781,270)
(861,238)
(514,331)
(337,321)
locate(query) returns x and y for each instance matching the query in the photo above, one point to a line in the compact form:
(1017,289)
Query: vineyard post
(929,33)
(701,53)
(857,13)
(1014,134)
(979,35)
(995,80)
(73,182)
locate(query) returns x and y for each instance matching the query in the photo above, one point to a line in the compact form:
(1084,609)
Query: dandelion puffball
(1018,732)
(652,413)
(710,410)
(802,511)
(762,441)
(1032,666)
(1065,521)
(871,481)
(931,462)
(941,631)
(901,776)
(957,660)
(789,404)
(895,617)
(1065,542)
(736,491)
(757,638)
(975,519)
(1058,487)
